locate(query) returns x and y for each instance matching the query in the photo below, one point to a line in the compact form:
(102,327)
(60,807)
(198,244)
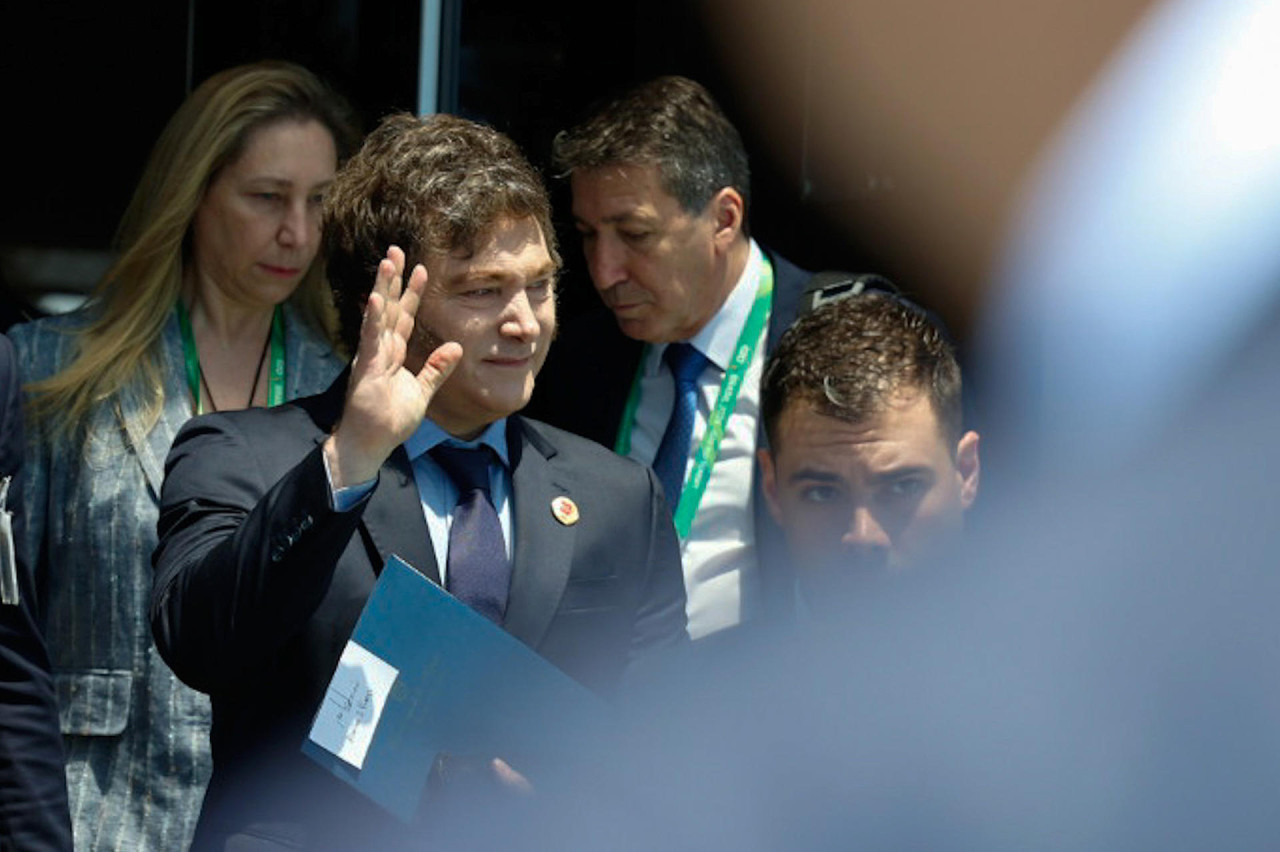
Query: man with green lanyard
(660,187)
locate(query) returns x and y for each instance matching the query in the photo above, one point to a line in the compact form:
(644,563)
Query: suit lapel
(393,516)
(395,521)
(543,547)
(310,362)
(151,448)
(788,285)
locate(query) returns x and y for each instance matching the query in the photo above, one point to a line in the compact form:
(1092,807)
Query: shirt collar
(428,435)
(719,337)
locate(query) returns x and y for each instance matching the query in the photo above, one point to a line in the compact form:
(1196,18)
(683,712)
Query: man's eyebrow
(812,474)
(617,218)
(903,472)
(499,274)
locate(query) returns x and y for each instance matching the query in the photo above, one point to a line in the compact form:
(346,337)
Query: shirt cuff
(346,499)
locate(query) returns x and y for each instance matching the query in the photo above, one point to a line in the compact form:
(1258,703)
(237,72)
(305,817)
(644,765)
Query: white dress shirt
(719,555)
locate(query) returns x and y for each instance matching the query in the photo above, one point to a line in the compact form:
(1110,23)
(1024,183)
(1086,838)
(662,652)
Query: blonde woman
(215,302)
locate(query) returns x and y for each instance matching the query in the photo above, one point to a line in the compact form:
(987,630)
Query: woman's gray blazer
(137,740)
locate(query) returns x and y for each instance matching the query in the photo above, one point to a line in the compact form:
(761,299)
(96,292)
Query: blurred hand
(385,401)
(510,779)
(467,776)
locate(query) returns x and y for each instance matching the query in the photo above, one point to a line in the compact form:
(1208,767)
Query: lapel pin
(565,511)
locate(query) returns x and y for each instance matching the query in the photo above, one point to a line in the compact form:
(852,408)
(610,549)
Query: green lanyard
(730,386)
(275,374)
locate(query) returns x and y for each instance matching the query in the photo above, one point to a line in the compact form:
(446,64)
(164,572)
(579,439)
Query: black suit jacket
(33,786)
(583,388)
(259,583)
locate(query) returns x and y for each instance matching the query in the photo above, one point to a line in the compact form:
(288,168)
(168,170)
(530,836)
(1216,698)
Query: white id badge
(8,562)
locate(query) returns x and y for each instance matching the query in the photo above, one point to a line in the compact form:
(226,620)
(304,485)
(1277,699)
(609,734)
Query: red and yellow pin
(565,511)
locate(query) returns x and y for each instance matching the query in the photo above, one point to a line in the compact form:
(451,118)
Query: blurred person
(1102,675)
(275,524)
(868,468)
(33,786)
(215,302)
(1168,171)
(661,196)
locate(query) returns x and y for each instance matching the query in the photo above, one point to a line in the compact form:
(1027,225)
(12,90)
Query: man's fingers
(387,278)
(438,366)
(407,307)
(382,277)
(396,257)
(412,296)
(371,326)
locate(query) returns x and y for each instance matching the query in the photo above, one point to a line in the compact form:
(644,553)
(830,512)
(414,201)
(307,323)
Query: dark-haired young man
(868,468)
(661,194)
(275,523)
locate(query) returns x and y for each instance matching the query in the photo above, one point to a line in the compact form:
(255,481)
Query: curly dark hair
(849,358)
(431,186)
(672,123)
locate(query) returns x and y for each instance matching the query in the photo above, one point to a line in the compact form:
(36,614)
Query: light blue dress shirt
(436,490)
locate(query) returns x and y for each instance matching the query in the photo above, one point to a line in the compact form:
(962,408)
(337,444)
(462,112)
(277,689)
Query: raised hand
(385,400)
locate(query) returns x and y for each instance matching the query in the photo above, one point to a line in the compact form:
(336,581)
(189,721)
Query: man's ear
(770,483)
(730,213)
(969,468)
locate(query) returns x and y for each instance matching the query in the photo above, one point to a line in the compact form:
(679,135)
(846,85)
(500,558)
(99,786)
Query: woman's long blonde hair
(120,344)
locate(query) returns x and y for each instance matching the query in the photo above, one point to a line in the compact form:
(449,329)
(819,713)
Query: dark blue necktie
(686,364)
(477,571)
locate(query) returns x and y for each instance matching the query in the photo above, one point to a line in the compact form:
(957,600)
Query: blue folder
(465,688)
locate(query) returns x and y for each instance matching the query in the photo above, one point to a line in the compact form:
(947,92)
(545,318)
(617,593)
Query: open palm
(385,400)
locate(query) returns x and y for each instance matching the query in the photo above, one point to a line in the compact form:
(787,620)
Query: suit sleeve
(660,618)
(33,787)
(242,562)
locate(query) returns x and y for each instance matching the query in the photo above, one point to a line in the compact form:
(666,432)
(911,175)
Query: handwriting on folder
(352,706)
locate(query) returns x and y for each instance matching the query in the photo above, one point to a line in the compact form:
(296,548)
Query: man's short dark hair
(431,186)
(854,357)
(672,123)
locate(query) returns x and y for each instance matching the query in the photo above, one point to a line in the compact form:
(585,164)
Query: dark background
(90,85)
